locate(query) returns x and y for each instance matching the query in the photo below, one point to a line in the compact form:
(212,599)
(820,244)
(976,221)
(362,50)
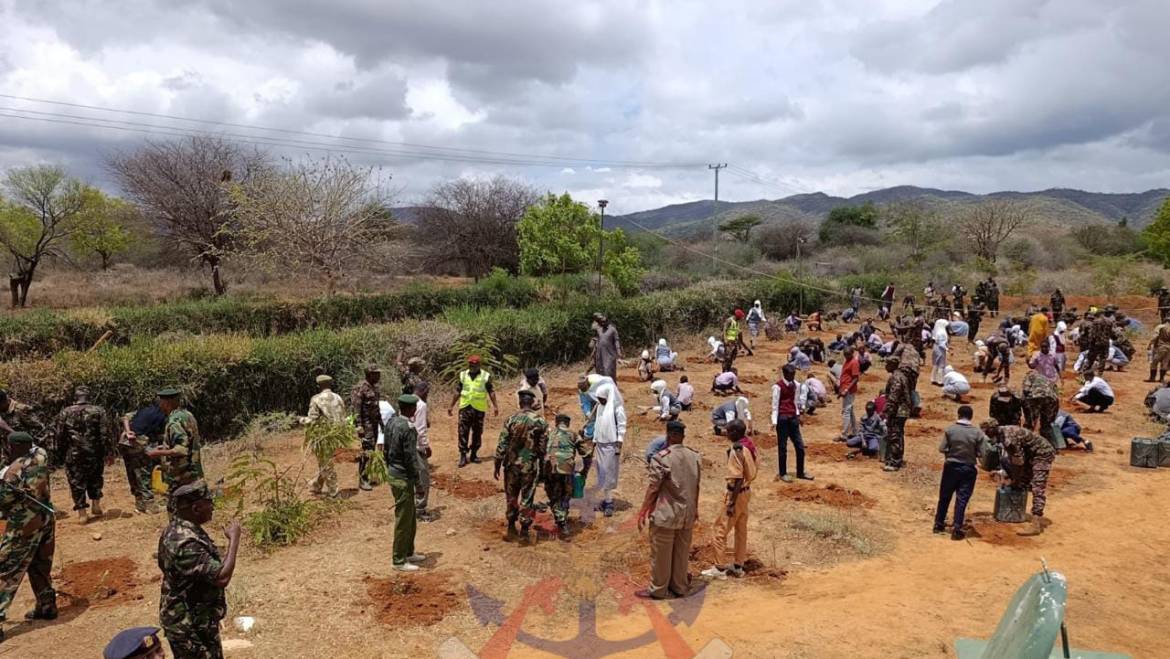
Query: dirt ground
(842,567)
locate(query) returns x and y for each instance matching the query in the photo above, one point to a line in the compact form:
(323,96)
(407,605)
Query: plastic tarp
(1030,627)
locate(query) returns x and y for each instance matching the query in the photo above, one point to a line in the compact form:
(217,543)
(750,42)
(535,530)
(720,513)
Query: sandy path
(908,599)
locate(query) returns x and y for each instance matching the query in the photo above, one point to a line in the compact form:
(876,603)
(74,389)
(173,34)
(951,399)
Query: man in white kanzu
(609,432)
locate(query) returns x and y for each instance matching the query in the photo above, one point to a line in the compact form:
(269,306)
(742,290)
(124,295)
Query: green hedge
(227,378)
(44,333)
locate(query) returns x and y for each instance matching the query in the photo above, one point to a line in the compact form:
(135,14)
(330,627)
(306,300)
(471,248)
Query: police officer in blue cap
(139,642)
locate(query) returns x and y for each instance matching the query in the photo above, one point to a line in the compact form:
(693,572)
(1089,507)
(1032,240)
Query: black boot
(563,531)
(525,537)
(511,534)
(462,459)
(1153,373)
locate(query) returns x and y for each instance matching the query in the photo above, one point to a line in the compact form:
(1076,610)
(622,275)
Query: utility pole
(714,214)
(601,203)
(800,276)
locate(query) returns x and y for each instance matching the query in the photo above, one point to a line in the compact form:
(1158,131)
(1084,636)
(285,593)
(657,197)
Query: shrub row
(227,378)
(44,333)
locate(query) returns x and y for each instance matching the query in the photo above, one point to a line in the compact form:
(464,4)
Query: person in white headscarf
(668,406)
(645,367)
(665,357)
(730,411)
(1058,344)
(938,358)
(981,355)
(955,384)
(755,320)
(609,433)
(717,349)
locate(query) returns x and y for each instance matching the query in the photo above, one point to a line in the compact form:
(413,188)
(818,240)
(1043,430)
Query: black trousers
(788,427)
(1097,399)
(470,430)
(958,481)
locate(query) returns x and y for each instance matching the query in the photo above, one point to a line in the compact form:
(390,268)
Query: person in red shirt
(786,421)
(847,390)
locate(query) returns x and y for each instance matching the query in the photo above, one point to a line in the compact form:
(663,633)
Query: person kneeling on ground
(739,473)
(873,431)
(730,411)
(686,394)
(645,367)
(1095,396)
(726,383)
(1071,430)
(1027,461)
(962,444)
(668,406)
(955,385)
(671,506)
(666,358)
(813,395)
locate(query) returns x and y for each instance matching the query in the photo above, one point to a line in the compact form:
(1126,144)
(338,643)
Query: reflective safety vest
(473,391)
(731,332)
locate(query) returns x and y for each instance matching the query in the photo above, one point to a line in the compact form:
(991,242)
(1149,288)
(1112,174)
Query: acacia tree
(741,227)
(915,224)
(40,214)
(101,228)
(989,224)
(1156,236)
(472,223)
(322,214)
(184,187)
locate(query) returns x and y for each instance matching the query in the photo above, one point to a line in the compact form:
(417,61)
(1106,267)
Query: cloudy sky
(842,96)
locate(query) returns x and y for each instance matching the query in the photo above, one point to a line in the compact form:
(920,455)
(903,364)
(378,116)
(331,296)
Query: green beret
(20,438)
(169,392)
(408,399)
(192,491)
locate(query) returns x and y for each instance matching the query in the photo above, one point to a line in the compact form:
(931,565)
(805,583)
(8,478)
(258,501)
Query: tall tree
(472,224)
(40,214)
(322,214)
(184,187)
(988,224)
(847,224)
(741,227)
(1156,236)
(102,227)
(915,224)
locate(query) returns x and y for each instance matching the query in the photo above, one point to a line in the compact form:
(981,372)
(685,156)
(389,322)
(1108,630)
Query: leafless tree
(915,223)
(44,203)
(987,225)
(472,224)
(322,214)
(184,186)
(779,241)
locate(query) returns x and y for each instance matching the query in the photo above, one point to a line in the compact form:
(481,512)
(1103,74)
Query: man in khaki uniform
(671,504)
(326,408)
(741,471)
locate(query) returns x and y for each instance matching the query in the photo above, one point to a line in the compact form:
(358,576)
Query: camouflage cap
(408,399)
(169,392)
(192,492)
(324,379)
(20,438)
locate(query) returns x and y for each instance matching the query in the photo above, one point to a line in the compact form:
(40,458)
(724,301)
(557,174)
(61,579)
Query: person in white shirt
(813,395)
(1095,396)
(609,434)
(955,384)
(422,490)
(717,349)
(387,412)
(668,406)
(938,360)
(686,393)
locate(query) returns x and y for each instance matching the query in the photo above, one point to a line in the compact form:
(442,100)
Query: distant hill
(1056,207)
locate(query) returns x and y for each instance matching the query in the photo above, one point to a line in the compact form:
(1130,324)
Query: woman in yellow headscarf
(1038,331)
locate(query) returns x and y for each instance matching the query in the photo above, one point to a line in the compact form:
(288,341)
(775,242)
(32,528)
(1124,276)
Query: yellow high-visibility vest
(731,332)
(473,391)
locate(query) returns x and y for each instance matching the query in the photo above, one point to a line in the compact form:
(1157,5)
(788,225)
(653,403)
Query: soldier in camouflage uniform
(1121,336)
(1028,459)
(1100,333)
(325,408)
(560,463)
(1041,402)
(194,575)
(1164,304)
(29,535)
(1159,349)
(141,430)
(899,406)
(19,417)
(83,439)
(181,451)
(364,401)
(520,453)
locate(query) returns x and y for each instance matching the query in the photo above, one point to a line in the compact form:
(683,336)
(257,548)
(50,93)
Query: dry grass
(843,529)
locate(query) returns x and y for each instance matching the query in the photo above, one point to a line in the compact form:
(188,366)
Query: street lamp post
(601,203)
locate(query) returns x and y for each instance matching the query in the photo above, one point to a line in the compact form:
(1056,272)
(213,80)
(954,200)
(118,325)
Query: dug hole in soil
(99,582)
(418,600)
(830,495)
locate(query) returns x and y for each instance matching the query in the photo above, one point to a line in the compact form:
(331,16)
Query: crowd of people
(1026,427)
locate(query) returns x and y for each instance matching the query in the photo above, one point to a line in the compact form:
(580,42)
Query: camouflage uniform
(325,408)
(1029,460)
(1164,304)
(83,437)
(192,604)
(364,401)
(1100,333)
(561,456)
(1041,402)
(21,418)
(182,435)
(520,451)
(899,405)
(1160,350)
(29,536)
(1122,341)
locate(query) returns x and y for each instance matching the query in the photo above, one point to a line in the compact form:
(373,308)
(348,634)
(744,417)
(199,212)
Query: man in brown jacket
(671,504)
(740,472)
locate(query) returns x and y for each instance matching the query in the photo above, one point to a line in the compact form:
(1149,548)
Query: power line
(754,178)
(451,150)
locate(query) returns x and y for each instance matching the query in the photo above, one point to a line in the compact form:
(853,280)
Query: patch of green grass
(842,529)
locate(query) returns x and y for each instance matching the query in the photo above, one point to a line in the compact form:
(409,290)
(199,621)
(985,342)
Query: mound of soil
(420,600)
(829,495)
(104,581)
(703,556)
(468,489)
(982,526)
(346,455)
(755,379)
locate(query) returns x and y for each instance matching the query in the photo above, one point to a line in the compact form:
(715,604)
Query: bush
(664,281)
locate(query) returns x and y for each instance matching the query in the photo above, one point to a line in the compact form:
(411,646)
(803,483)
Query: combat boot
(1153,374)
(511,534)
(42,613)
(95,508)
(563,531)
(83,516)
(1036,528)
(525,536)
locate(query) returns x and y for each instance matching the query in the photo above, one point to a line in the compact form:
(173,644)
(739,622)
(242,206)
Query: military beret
(676,426)
(191,491)
(526,393)
(132,642)
(169,392)
(324,379)
(408,399)
(20,438)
